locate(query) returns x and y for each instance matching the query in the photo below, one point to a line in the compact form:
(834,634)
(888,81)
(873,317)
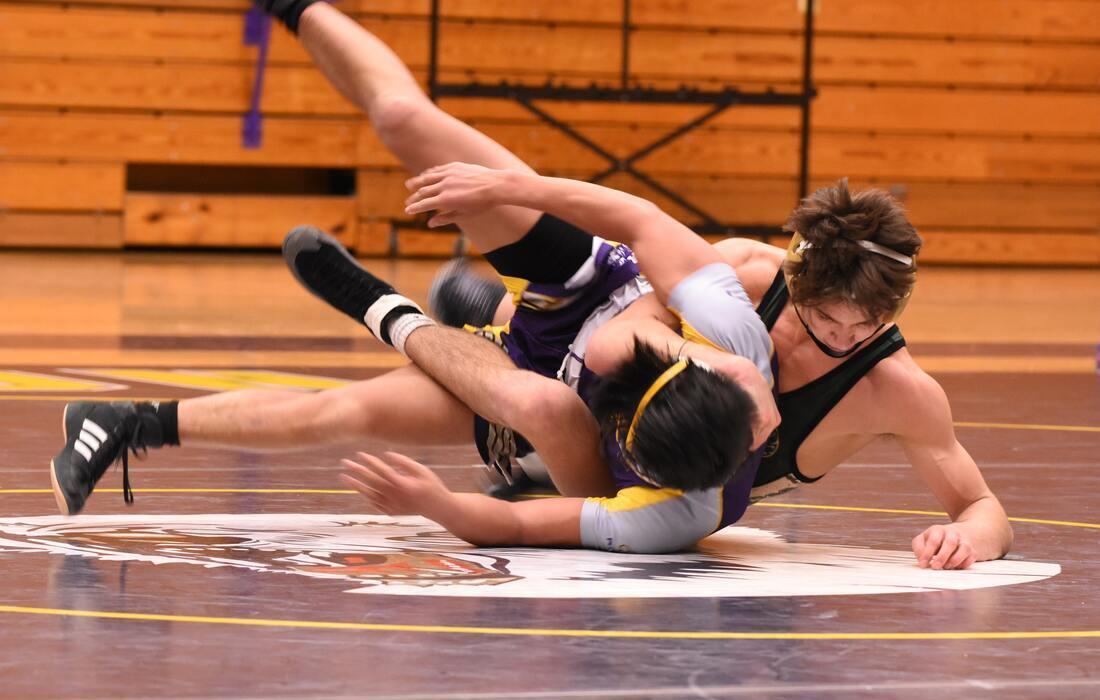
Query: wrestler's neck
(841,330)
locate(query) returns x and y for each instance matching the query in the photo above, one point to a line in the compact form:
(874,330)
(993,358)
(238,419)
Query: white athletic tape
(379,309)
(403,326)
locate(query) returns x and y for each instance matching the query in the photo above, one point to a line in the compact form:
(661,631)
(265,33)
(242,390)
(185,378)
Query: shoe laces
(134,444)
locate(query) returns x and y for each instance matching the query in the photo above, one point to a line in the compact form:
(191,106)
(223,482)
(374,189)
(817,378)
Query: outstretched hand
(396,486)
(453,191)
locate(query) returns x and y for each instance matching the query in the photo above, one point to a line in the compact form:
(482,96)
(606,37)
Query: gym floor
(257,575)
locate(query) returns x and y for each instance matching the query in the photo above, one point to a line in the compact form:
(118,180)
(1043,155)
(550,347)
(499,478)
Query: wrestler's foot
(458,297)
(98,434)
(328,270)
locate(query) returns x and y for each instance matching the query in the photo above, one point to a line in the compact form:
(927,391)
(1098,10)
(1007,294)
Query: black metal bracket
(718,100)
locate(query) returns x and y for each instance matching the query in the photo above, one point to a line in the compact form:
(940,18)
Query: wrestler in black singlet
(803,408)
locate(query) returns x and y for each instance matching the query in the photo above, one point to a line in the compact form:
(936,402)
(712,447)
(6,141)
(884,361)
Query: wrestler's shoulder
(899,381)
(740,251)
(756,263)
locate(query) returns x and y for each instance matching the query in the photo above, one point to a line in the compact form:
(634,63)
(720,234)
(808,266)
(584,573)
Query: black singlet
(803,408)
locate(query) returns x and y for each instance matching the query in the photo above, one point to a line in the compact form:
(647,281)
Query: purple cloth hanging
(257,32)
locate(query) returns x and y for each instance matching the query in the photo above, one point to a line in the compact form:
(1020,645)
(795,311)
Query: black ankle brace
(286,11)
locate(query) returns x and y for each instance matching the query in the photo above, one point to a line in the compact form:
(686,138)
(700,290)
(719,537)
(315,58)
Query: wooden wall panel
(900,110)
(381,193)
(997,248)
(36,230)
(984,116)
(301,91)
(175,139)
(725,58)
(425,244)
(119,86)
(1049,20)
(986,112)
(413,7)
(81,33)
(885,156)
(373,238)
(138,33)
(1004,207)
(225,5)
(1053,213)
(30,186)
(235,221)
(958,206)
(981,159)
(569,52)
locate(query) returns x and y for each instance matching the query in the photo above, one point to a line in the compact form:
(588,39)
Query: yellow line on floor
(74,357)
(341,492)
(86,397)
(1007,364)
(958,424)
(858,509)
(549,632)
(1030,426)
(344,492)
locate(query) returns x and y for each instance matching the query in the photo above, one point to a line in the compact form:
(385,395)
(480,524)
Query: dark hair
(694,434)
(835,267)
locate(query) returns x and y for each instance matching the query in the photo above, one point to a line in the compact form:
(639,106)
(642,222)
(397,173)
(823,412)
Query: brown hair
(835,267)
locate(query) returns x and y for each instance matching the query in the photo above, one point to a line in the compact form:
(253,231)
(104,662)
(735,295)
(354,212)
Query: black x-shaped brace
(719,101)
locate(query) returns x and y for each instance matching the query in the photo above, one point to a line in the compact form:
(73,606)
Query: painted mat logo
(413,556)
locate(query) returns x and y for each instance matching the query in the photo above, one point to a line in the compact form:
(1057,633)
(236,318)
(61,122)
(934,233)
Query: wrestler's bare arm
(398,485)
(667,250)
(648,319)
(756,263)
(979,529)
(650,322)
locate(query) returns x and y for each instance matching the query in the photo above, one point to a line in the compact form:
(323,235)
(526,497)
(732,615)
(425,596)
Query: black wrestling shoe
(329,272)
(459,297)
(513,490)
(97,434)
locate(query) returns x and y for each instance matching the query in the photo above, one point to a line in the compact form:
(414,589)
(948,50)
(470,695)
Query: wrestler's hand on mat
(454,190)
(943,547)
(396,486)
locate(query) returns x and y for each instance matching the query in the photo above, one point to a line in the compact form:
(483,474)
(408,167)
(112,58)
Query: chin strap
(825,348)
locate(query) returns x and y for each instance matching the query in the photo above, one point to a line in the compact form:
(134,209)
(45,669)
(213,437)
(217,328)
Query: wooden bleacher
(984,117)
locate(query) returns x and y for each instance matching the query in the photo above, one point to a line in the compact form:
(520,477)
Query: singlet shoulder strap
(836,383)
(775,299)
(808,405)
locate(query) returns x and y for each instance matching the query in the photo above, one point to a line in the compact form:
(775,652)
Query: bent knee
(398,117)
(538,406)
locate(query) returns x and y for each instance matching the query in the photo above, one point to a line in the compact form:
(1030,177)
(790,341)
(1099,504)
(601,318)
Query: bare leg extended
(421,135)
(417,132)
(403,406)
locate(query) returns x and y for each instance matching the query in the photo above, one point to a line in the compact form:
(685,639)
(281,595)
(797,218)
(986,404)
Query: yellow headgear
(666,377)
(799,245)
